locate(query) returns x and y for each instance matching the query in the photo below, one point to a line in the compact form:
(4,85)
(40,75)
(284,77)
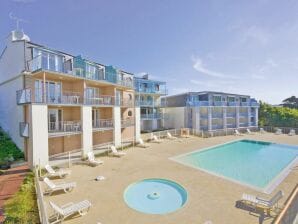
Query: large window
(91,71)
(217,98)
(231,99)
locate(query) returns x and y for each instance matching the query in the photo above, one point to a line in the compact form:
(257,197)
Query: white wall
(11,114)
(117,125)
(175,117)
(38,151)
(137,123)
(87,135)
(12,62)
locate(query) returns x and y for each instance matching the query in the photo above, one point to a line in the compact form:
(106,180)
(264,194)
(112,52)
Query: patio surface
(209,197)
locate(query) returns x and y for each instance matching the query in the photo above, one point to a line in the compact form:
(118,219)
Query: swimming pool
(261,165)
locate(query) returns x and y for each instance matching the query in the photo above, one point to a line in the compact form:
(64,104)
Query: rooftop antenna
(18,20)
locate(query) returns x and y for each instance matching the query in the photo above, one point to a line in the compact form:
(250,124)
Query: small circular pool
(155,196)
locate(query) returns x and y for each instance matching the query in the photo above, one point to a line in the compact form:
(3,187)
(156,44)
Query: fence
(40,200)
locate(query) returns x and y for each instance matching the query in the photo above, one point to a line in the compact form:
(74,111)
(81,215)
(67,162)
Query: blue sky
(240,46)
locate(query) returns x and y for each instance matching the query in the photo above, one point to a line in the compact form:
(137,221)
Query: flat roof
(206,92)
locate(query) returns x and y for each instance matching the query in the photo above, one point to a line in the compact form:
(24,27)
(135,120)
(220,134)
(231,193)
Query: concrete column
(38,151)
(87,134)
(209,118)
(248,116)
(257,116)
(224,117)
(237,117)
(117,126)
(137,123)
(197,118)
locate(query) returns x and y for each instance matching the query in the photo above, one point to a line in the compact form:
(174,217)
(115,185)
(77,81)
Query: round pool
(155,196)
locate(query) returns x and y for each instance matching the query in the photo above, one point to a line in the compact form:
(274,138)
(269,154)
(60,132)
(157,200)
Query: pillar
(209,118)
(137,123)
(237,117)
(38,150)
(257,116)
(249,116)
(224,117)
(87,133)
(117,126)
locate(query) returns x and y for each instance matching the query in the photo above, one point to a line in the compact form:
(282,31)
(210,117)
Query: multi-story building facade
(209,111)
(53,102)
(148,97)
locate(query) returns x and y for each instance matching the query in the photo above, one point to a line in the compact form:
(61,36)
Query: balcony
(231,114)
(102,124)
(243,125)
(244,104)
(217,115)
(100,100)
(152,91)
(231,125)
(24,129)
(243,114)
(151,116)
(24,96)
(233,104)
(42,62)
(198,103)
(65,126)
(128,122)
(254,104)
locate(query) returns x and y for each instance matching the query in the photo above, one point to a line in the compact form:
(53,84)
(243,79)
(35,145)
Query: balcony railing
(151,116)
(233,103)
(24,129)
(254,104)
(231,114)
(243,114)
(219,103)
(127,122)
(217,115)
(126,103)
(65,126)
(42,62)
(102,123)
(100,100)
(245,104)
(152,91)
(24,96)
(198,103)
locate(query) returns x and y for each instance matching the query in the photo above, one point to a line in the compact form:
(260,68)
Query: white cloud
(256,34)
(200,67)
(258,77)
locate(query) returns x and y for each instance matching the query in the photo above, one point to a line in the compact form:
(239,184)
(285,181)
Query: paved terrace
(209,197)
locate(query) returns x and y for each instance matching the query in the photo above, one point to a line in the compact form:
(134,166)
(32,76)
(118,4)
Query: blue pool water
(155,196)
(253,163)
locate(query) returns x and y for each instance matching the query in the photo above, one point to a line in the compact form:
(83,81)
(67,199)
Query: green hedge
(8,149)
(22,207)
(277,116)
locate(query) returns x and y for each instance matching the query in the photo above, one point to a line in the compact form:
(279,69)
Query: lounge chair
(249,132)
(116,153)
(262,131)
(61,213)
(258,202)
(59,173)
(156,140)
(142,144)
(292,132)
(237,133)
(51,187)
(92,161)
(170,136)
(278,131)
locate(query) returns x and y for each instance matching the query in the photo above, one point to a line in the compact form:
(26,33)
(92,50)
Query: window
(217,98)
(129,113)
(231,99)
(243,100)
(91,71)
(46,60)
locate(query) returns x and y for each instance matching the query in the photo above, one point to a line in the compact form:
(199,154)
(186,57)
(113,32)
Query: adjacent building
(209,111)
(148,95)
(52,102)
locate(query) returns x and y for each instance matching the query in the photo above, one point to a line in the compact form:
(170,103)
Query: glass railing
(127,122)
(152,90)
(231,114)
(42,62)
(151,116)
(102,123)
(101,100)
(233,103)
(219,103)
(24,129)
(24,96)
(65,126)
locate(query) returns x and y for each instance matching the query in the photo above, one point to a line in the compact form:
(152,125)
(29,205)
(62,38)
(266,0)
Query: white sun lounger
(60,213)
(278,131)
(59,173)
(258,202)
(92,161)
(155,139)
(51,187)
(292,132)
(237,133)
(142,144)
(116,153)
(249,132)
(170,136)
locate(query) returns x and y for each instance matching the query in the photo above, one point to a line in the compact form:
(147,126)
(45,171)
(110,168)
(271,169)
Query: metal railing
(103,100)
(102,123)
(24,129)
(151,116)
(65,126)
